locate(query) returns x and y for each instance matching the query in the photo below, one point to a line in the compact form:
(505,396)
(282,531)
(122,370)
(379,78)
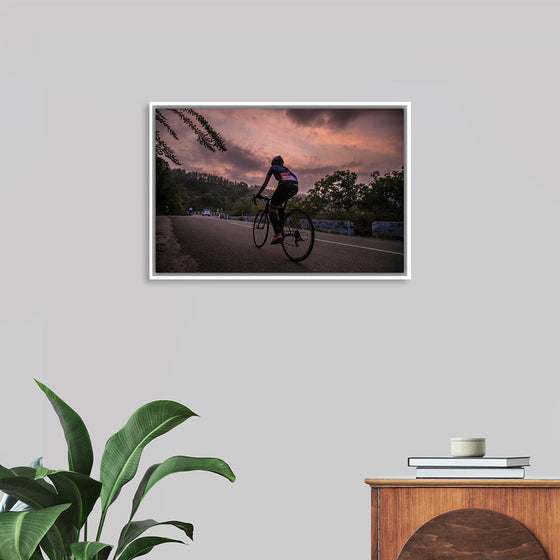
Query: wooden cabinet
(401,507)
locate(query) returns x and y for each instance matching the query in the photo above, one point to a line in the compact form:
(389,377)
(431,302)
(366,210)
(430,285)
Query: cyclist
(287,187)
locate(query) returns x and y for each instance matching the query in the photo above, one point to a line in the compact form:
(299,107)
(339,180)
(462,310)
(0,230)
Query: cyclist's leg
(281,214)
(277,214)
(273,214)
(290,192)
(275,203)
(282,194)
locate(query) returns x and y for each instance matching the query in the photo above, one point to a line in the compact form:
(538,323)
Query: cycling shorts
(284,191)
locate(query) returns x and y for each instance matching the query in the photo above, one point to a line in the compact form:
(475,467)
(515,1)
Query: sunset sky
(314,142)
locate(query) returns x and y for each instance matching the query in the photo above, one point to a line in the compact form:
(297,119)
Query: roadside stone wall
(238,218)
(387,229)
(343,227)
(334,226)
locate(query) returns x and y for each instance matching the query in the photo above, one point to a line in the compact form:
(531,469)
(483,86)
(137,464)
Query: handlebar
(265,198)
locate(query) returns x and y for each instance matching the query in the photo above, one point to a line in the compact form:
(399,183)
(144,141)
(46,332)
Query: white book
(468,461)
(478,472)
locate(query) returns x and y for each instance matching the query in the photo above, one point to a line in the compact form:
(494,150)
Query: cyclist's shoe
(277,239)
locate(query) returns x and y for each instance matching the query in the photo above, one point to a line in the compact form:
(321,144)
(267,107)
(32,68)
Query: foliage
(181,190)
(384,196)
(336,192)
(339,196)
(9,503)
(243,207)
(21,532)
(206,135)
(62,505)
(167,192)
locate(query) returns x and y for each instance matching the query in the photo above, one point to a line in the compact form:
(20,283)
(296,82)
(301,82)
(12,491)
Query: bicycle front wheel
(260,228)
(299,235)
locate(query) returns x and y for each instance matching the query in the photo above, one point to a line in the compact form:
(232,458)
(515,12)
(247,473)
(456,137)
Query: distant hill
(180,190)
(196,183)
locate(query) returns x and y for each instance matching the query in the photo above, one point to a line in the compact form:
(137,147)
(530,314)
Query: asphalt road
(226,246)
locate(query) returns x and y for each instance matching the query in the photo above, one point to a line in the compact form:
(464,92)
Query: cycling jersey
(282,173)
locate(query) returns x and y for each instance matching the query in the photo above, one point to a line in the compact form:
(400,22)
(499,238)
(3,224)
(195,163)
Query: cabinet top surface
(462,482)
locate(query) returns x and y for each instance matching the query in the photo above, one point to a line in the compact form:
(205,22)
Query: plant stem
(101,523)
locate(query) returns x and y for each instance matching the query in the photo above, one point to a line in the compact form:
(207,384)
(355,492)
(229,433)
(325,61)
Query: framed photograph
(295,191)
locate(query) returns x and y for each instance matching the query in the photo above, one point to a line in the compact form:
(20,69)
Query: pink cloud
(313,142)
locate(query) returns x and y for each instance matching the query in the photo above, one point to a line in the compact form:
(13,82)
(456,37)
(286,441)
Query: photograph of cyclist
(286,189)
(281,191)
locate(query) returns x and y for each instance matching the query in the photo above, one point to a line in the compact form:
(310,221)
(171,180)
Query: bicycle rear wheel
(299,235)
(260,228)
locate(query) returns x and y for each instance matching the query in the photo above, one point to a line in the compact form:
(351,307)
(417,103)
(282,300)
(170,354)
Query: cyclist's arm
(268,176)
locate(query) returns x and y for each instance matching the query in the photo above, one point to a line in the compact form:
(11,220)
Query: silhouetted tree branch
(206,135)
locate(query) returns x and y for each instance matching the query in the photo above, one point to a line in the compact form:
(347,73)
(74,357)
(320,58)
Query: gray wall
(383,370)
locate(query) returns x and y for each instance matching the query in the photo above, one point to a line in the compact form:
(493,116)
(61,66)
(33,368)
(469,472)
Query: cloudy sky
(314,142)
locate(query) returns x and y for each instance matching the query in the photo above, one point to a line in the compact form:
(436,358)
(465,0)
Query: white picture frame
(399,271)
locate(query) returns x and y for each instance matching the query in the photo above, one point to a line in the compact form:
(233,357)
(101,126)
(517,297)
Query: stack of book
(469,467)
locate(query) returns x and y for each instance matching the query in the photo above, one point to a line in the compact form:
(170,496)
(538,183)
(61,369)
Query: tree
(384,196)
(242,207)
(336,192)
(167,192)
(206,135)
(301,201)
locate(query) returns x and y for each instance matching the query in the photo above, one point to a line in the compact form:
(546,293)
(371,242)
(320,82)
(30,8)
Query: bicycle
(297,231)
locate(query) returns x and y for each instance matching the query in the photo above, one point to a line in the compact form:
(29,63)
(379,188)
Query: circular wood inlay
(473,534)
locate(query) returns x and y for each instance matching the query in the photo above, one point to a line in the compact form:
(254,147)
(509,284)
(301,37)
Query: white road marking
(245,224)
(359,247)
(242,224)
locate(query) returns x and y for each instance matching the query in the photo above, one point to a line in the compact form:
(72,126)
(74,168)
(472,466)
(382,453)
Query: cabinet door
(402,511)
(472,534)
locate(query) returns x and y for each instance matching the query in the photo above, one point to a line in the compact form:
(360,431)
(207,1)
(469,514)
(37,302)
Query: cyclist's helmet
(277,161)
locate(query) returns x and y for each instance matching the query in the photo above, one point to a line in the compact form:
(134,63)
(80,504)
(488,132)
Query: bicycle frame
(267,201)
(293,240)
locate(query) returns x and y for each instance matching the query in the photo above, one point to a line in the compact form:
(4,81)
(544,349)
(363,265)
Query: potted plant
(61,501)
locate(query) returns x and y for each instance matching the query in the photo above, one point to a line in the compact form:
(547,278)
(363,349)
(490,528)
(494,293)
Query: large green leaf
(61,535)
(142,546)
(80,452)
(87,550)
(10,503)
(48,548)
(39,495)
(31,474)
(37,555)
(78,489)
(174,465)
(31,492)
(5,473)
(124,449)
(21,532)
(27,472)
(136,528)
